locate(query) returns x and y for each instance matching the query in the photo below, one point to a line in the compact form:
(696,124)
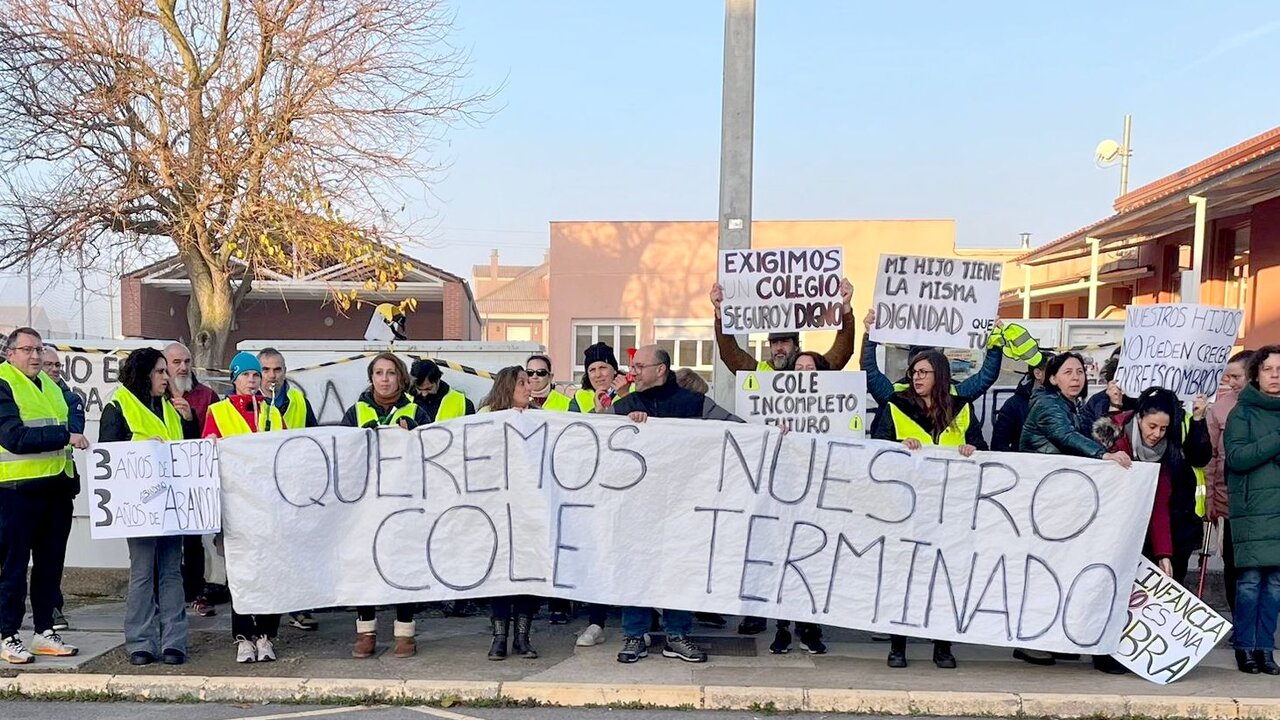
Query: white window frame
(704,335)
(596,324)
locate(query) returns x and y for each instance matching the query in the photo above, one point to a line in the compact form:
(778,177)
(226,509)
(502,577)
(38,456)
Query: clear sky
(987,113)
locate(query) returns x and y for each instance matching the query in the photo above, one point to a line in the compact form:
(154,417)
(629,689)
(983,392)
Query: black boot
(498,650)
(1108,665)
(897,651)
(520,646)
(942,656)
(781,644)
(1266,662)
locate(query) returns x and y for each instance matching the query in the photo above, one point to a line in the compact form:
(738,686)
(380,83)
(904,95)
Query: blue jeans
(155,615)
(635,621)
(1257,605)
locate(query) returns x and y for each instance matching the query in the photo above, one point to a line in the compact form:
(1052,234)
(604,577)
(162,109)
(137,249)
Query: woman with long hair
(155,616)
(511,392)
(1252,442)
(387,402)
(927,412)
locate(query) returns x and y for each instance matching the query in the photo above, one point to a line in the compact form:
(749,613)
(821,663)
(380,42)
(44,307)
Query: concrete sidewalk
(451,664)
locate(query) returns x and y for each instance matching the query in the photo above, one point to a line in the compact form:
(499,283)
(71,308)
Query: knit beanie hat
(599,352)
(243,362)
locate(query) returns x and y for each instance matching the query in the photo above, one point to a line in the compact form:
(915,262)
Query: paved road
(24,710)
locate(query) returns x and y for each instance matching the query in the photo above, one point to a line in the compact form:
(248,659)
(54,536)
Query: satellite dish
(1108,151)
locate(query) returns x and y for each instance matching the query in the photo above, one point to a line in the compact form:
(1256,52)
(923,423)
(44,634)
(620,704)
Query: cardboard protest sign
(810,401)
(153,488)
(1177,346)
(781,290)
(940,302)
(1022,550)
(1170,630)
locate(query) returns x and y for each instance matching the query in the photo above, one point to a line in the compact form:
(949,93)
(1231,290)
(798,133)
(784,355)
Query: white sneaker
(14,652)
(246,651)
(50,643)
(266,651)
(593,635)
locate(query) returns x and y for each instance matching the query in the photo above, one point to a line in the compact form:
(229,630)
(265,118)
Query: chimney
(493,264)
(1026,241)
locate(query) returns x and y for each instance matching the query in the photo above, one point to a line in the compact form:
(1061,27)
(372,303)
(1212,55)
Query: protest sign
(1170,630)
(1021,550)
(940,302)
(810,401)
(1177,346)
(781,290)
(153,488)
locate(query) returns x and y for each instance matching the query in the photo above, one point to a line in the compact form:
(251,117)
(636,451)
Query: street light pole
(737,127)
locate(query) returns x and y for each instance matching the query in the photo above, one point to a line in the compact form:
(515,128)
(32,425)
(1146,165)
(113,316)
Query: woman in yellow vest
(242,412)
(927,413)
(542,393)
(155,615)
(511,392)
(601,383)
(386,402)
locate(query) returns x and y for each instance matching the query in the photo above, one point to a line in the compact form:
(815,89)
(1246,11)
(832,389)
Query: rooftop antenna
(1109,152)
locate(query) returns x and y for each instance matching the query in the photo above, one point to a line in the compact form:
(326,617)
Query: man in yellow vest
(785,346)
(36,489)
(435,396)
(288,398)
(296,411)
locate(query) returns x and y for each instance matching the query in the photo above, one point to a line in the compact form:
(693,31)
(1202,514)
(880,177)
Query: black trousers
(508,607)
(404,612)
(34,527)
(1229,565)
(253,626)
(193,566)
(596,614)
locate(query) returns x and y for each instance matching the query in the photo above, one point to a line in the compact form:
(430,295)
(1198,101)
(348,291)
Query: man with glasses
(658,395)
(52,366)
(36,489)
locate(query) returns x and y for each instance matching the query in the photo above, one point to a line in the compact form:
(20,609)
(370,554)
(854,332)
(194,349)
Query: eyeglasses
(28,349)
(637,367)
(538,373)
(921,372)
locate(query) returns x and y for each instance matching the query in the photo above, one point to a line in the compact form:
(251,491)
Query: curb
(188,688)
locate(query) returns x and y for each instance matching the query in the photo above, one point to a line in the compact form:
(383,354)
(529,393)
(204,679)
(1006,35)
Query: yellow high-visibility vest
(295,414)
(231,422)
(586,398)
(366,413)
(37,406)
(143,423)
(906,428)
(1202,488)
(452,405)
(764,366)
(556,400)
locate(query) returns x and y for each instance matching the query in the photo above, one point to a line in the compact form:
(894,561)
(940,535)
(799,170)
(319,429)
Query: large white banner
(1169,630)
(811,401)
(940,302)
(782,289)
(999,549)
(152,488)
(1177,346)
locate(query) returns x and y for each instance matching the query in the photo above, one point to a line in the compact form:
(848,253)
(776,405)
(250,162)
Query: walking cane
(1204,556)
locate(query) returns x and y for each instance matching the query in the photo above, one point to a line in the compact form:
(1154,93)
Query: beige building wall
(634,283)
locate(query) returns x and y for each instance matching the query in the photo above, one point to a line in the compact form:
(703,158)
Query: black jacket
(112,427)
(884,427)
(669,400)
(17,437)
(419,415)
(1012,416)
(431,403)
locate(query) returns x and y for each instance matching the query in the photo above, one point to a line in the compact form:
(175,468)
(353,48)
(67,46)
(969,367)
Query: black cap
(793,335)
(600,352)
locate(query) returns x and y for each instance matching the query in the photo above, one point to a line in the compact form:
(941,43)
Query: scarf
(537,397)
(1141,451)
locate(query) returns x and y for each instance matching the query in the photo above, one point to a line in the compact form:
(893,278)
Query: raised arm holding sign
(938,302)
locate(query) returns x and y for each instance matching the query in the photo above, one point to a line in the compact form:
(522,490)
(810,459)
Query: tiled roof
(525,293)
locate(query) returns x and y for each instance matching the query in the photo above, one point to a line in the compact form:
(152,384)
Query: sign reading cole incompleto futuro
(1177,346)
(781,290)
(941,302)
(1021,550)
(810,401)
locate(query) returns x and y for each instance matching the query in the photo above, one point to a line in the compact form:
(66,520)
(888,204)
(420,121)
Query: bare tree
(251,134)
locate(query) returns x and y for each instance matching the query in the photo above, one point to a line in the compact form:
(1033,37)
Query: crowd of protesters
(1217,461)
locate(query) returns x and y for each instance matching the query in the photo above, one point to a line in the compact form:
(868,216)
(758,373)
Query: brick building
(279,307)
(513,300)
